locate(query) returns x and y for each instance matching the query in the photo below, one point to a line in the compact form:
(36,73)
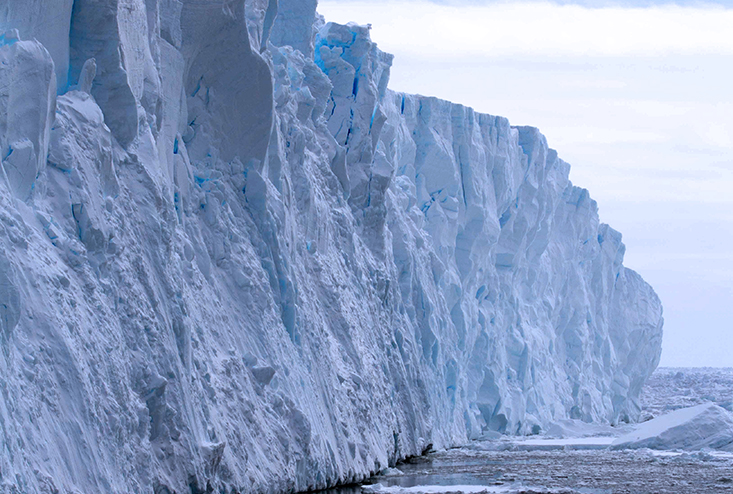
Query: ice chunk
(27,106)
(263,374)
(88,73)
(34,19)
(80,139)
(126,75)
(693,428)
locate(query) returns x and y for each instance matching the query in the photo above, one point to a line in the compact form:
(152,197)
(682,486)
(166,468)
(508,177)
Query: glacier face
(233,259)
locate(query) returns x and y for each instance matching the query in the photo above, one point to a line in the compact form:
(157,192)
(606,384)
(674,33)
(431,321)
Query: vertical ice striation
(232,260)
(27,107)
(33,19)
(294,26)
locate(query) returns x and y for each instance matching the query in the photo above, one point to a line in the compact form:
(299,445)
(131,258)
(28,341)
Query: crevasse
(234,261)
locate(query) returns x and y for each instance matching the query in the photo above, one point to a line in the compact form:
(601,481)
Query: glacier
(233,260)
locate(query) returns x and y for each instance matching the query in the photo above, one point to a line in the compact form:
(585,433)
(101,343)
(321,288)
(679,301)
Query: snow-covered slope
(229,263)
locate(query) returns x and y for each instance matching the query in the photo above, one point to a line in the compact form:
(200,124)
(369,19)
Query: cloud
(539,28)
(584,3)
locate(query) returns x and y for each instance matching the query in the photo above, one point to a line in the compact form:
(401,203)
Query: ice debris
(703,426)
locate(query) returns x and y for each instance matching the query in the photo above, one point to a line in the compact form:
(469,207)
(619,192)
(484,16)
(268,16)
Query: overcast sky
(636,95)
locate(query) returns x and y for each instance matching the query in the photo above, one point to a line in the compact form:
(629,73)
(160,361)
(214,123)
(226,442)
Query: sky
(636,95)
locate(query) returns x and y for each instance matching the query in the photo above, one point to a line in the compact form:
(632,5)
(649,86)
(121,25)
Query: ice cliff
(232,260)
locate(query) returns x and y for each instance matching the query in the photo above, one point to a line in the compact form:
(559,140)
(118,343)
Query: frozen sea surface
(580,464)
(559,470)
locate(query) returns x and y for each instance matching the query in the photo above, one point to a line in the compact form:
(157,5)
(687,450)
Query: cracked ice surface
(234,259)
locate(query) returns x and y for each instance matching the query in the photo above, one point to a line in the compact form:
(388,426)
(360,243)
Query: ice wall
(232,260)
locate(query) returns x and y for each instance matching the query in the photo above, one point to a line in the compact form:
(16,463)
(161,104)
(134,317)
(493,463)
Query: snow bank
(694,428)
(232,259)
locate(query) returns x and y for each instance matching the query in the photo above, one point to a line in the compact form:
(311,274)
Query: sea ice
(436,489)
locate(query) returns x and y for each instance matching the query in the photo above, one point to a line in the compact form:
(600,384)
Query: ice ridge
(232,260)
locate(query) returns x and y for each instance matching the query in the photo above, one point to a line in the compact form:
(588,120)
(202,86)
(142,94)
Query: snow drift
(233,260)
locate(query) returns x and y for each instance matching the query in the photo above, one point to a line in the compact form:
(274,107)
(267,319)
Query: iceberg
(706,426)
(233,260)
